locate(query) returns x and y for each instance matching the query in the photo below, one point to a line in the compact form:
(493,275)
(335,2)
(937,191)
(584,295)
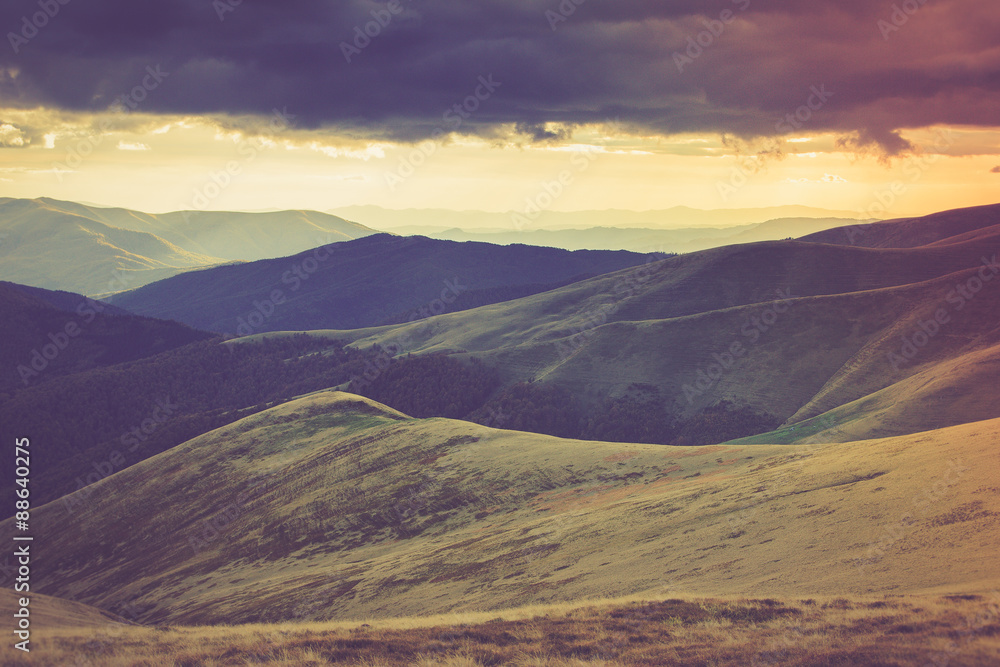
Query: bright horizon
(637,106)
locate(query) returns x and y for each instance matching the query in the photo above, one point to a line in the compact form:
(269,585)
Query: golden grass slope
(337,500)
(49,612)
(960,631)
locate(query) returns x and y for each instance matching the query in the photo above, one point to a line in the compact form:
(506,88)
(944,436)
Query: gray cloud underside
(606,60)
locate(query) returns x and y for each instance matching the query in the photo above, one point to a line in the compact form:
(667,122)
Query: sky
(880,108)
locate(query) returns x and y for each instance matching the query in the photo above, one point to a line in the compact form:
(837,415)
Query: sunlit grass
(913,630)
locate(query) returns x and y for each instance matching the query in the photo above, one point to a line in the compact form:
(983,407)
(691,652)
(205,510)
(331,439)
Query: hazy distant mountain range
(690,239)
(429,221)
(101,251)
(68,246)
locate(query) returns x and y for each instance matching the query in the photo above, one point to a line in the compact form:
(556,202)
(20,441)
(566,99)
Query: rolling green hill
(340,501)
(782,331)
(942,228)
(97,251)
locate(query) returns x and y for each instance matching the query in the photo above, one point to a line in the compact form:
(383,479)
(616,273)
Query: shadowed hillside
(781,331)
(367,282)
(51,334)
(943,228)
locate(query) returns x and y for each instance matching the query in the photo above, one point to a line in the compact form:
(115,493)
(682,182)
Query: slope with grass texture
(384,515)
(820,328)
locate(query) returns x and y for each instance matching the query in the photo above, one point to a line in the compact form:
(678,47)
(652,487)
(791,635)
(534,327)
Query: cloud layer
(403,69)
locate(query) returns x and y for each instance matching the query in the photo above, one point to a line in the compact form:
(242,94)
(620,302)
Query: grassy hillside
(50,613)
(96,251)
(45,246)
(653,632)
(230,235)
(943,228)
(381,515)
(784,331)
(375,280)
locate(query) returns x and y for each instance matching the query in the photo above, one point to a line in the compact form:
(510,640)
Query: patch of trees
(532,406)
(441,386)
(724,421)
(430,385)
(141,408)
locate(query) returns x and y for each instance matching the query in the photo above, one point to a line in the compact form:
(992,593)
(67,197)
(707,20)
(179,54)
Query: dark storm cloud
(749,68)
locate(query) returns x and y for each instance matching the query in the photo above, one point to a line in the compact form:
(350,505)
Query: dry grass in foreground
(952,631)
